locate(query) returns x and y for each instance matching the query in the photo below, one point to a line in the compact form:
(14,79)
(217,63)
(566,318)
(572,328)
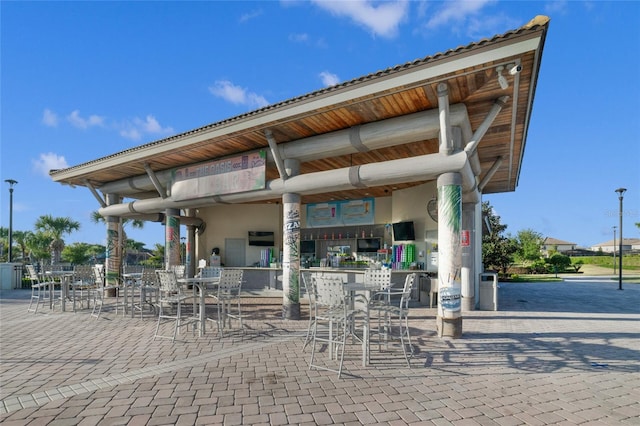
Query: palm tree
(37,245)
(135,223)
(56,227)
(21,238)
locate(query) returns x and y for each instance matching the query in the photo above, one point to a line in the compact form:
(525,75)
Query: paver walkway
(556,353)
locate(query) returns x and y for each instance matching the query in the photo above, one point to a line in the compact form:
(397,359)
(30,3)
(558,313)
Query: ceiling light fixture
(504,84)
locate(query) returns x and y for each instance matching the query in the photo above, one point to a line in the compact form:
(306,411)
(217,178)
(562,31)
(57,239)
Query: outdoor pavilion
(459,118)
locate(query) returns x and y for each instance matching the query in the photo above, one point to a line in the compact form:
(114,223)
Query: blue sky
(81,80)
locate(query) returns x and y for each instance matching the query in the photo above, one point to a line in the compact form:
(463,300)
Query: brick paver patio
(555,353)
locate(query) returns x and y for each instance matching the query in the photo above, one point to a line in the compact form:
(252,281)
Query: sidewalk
(555,353)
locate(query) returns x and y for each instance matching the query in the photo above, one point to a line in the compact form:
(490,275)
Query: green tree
(559,262)
(156,260)
(497,249)
(20,238)
(529,243)
(4,243)
(56,227)
(77,253)
(38,244)
(96,251)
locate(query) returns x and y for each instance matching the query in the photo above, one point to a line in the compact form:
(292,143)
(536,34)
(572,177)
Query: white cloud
(49,161)
(484,26)
(558,7)
(329,79)
(237,95)
(381,19)
(305,39)
(138,127)
(131,133)
(49,118)
(151,125)
(456,11)
(299,37)
(251,15)
(83,123)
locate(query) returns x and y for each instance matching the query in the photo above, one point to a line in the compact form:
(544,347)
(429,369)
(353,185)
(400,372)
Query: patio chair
(393,319)
(227,297)
(210,271)
(38,289)
(308,283)
(180,270)
(83,285)
(147,288)
(170,296)
(101,286)
(52,274)
(334,320)
(380,279)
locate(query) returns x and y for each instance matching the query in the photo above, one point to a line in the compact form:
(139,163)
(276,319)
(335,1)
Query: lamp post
(11,182)
(620,192)
(614,250)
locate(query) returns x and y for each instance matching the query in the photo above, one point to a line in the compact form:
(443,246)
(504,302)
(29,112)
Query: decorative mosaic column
(291,257)
(449,320)
(172,238)
(113,255)
(291,247)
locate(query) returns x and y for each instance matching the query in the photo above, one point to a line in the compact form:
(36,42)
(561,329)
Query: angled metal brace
(276,154)
(101,200)
(156,183)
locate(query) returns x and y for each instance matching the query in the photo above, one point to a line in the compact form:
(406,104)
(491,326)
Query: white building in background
(628,245)
(553,244)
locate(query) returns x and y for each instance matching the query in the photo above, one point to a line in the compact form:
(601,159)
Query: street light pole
(620,192)
(614,250)
(11,182)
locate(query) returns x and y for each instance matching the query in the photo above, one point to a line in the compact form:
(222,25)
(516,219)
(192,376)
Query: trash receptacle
(488,291)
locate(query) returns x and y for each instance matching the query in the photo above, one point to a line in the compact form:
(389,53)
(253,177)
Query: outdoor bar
(385,171)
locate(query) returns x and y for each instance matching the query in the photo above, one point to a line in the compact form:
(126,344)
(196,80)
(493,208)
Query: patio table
(200,284)
(65,279)
(351,289)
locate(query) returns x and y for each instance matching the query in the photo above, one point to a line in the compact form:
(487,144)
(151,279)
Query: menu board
(341,213)
(227,176)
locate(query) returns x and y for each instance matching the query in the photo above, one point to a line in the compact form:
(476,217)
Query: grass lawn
(628,276)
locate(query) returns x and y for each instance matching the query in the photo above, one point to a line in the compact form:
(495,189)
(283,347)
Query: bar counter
(258,278)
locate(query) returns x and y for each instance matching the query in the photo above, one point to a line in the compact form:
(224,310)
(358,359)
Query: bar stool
(170,294)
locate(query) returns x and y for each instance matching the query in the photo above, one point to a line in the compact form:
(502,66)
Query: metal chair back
(179,270)
(407,290)
(230,282)
(149,277)
(378,278)
(168,282)
(84,274)
(98,275)
(211,272)
(329,292)
(32,274)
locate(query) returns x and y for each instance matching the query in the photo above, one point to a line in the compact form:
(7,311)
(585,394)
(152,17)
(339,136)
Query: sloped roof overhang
(402,90)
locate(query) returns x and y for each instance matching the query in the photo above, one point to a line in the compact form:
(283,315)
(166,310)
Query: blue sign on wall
(341,213)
